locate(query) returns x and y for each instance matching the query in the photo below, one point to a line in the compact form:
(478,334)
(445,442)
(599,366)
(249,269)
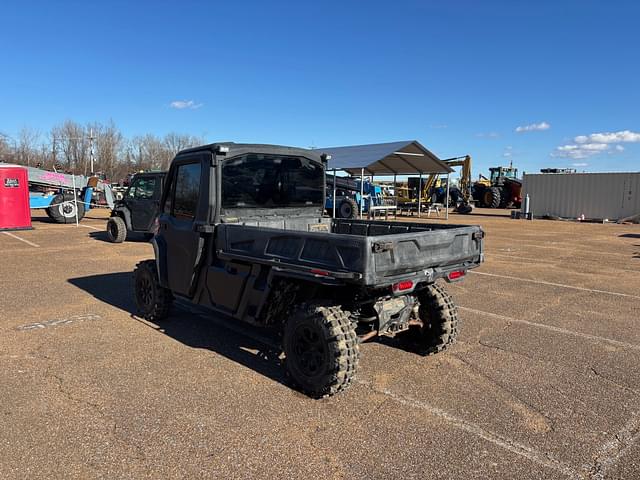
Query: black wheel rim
(113,229)
(144,291)
(310,351)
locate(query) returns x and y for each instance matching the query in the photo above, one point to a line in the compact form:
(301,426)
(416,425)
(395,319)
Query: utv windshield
(258,180)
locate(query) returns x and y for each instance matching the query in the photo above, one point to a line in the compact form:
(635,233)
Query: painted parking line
(58,321)
(561,285)
(90,226)
(541,458)
(573,250)
(519,258)
(595,338)
(611,452)
(21,239)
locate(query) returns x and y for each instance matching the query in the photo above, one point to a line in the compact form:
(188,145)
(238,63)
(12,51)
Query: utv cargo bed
(366,252)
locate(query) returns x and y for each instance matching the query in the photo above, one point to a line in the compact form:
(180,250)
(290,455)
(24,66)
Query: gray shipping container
(595,195)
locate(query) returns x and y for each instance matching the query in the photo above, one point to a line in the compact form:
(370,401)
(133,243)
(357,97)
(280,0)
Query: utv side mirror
(325,158)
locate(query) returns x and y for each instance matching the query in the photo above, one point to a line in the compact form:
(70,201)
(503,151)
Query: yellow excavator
(435,187)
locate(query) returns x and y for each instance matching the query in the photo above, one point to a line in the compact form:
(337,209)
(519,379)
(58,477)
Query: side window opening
(131,192)
(144,188)
(186,191)
(168,203)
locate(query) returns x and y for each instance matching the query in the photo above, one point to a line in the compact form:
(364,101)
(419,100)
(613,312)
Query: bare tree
(67,146)
(71,140)
(174,142)
(28,146)
(149,152)
(108,148)
(7,152)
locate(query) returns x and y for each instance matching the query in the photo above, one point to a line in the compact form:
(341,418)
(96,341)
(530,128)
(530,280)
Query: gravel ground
(543,382)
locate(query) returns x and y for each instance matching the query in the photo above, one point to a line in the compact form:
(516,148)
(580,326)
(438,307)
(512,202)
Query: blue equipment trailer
(65,197)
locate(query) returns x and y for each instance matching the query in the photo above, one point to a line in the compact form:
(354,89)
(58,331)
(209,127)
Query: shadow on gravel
(44,220)
(131,237)
(194,327)
(112,288)
(442,215)
(101,235)
(630,235)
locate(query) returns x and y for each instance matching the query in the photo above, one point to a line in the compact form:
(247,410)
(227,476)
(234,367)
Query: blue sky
(459,76)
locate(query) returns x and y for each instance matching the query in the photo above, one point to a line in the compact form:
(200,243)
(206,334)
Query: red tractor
(502,190)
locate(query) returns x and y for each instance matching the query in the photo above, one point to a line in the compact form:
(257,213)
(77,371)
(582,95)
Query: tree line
(69,145)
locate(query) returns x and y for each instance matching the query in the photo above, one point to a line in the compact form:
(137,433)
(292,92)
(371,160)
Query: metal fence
(595,195)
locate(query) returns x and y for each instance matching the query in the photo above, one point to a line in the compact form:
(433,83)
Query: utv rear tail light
(322,273)
(456,275)
(402,286)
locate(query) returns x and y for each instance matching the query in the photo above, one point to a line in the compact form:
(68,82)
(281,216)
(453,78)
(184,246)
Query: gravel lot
(543,383)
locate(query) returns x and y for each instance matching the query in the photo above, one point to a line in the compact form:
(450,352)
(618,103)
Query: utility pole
(53,152)
(91,149)
(44,157)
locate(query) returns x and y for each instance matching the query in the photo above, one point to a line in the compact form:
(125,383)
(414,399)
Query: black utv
(242,232)
(138,208)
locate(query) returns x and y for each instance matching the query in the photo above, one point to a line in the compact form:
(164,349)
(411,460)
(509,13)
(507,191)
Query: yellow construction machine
(435,187)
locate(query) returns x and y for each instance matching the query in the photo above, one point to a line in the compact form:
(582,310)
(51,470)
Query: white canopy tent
(394,158)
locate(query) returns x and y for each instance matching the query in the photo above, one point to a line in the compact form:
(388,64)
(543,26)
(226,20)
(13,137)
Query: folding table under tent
(394,158)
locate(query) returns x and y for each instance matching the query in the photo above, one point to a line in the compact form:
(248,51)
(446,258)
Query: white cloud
(508,152)
(595,143)
(533,127)
(580,151)
(580,164)
(488,135)
(609,137)
(185,104)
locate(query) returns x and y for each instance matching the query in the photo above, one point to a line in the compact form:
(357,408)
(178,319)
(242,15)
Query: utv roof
(155,172)
(236,149)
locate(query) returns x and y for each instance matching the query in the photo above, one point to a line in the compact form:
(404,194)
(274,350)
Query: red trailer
(14,198)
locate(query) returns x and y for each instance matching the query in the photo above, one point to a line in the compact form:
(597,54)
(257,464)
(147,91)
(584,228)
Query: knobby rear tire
(439,316)
(321,349)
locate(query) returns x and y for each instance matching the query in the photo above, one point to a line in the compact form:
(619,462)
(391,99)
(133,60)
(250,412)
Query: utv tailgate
(403,249)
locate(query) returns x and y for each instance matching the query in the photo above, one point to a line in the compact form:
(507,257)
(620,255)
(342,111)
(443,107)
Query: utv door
(143,203)
(185,206)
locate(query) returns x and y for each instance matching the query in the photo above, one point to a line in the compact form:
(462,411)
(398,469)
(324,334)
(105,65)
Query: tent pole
(420,197)
(333,215)
(371,211)
(446,215)
(361,192)
(395,197)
